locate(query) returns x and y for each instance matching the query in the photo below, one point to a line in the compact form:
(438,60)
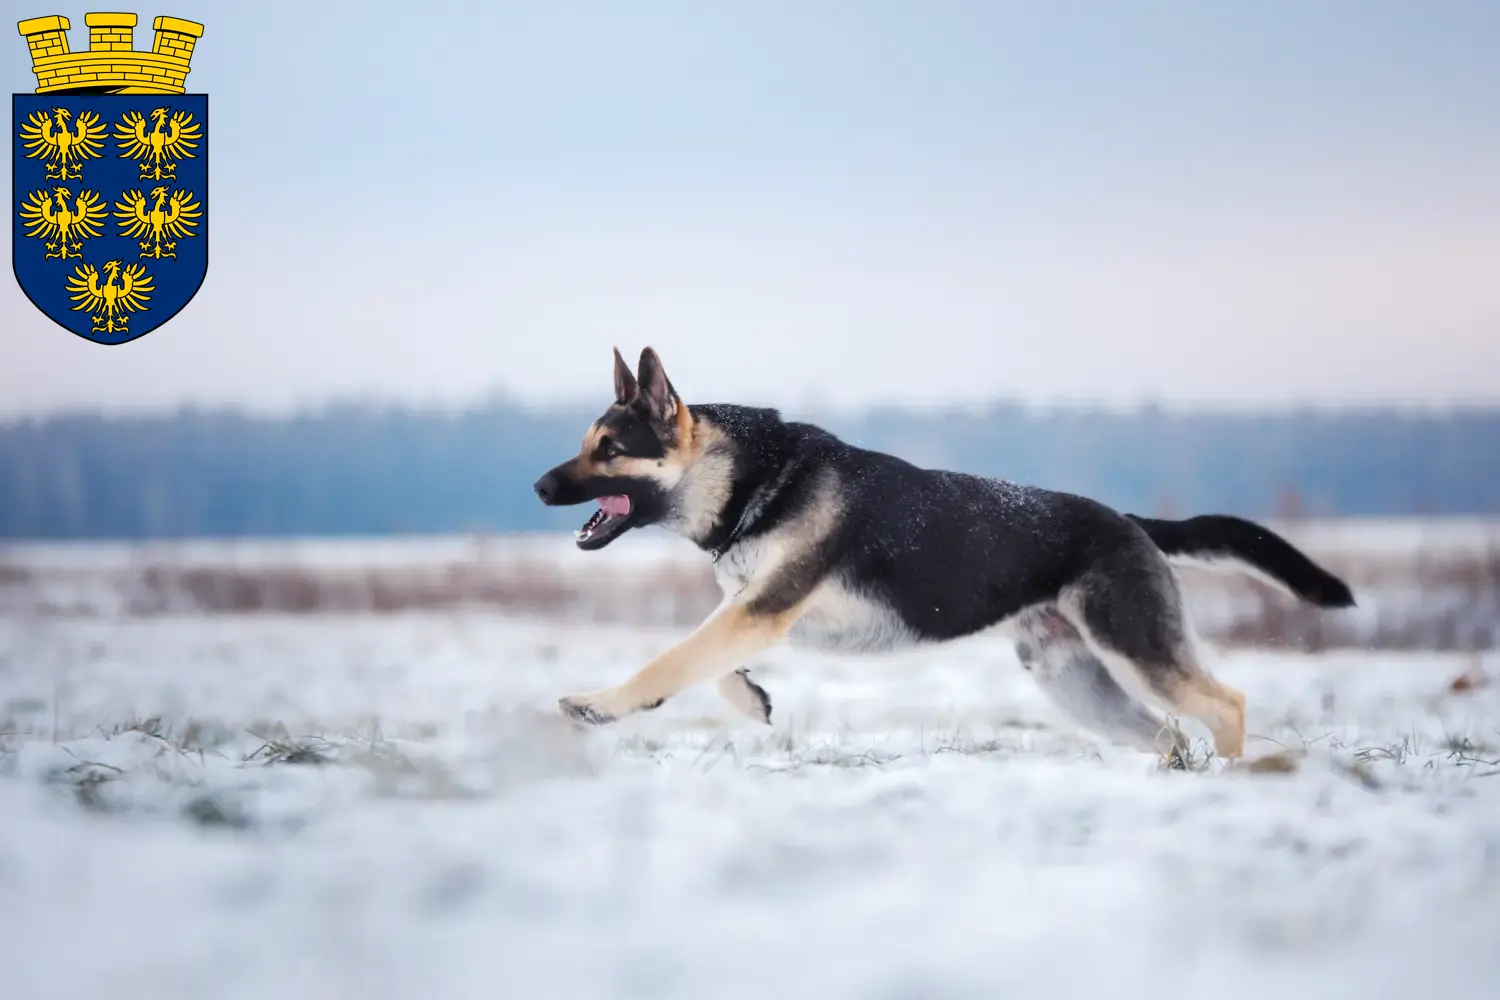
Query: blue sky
(834,203)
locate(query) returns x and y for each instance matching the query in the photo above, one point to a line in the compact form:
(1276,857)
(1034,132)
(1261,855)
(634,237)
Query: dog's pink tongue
(615,506)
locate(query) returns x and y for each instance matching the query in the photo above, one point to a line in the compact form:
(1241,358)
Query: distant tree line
(373,470)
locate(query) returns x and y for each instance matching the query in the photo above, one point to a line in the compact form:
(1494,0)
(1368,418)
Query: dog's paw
(746,695)
(761,697)
(581,709)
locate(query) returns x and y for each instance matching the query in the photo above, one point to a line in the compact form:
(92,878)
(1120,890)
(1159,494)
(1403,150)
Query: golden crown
(111,65)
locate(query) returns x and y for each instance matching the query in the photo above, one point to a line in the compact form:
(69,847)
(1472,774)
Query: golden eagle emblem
(168,217)
(63,149)
(109,303)
(170,139)
(64,227)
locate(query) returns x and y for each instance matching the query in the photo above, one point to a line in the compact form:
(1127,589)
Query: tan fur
(692,436)
(1219,706)
(718,646)
(752,566)
(733,633)
(590,442)
(1186,689)
(685,427)
(697,474)
(703,485)
(584,464)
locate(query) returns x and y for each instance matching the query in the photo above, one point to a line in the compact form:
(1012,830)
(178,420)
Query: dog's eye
(608,449)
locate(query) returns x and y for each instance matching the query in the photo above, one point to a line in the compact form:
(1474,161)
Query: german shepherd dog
(835,547)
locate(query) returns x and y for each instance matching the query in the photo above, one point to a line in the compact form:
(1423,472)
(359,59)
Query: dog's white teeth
(590,526)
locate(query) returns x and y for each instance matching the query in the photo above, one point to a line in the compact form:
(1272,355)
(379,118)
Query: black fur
(630,429)
(1212,535)
(952,554)
(868,551)
(639,425)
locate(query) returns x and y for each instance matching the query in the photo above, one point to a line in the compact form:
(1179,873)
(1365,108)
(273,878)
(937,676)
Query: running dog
(831,546)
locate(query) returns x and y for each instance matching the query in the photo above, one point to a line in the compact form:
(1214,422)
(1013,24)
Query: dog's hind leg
(1128,608)
(1075,679)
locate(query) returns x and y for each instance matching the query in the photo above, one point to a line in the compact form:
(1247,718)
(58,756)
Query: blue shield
(109,210)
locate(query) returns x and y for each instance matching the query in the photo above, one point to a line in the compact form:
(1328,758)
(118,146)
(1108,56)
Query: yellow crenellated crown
(111,65)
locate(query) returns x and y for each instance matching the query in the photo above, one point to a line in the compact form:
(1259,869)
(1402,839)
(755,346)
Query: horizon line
(385,404)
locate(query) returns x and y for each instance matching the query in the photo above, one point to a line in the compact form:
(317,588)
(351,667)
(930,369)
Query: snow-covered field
(384,806)
(1421,583)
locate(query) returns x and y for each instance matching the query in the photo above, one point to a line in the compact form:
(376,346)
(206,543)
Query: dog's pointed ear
(625,387)
(656,389)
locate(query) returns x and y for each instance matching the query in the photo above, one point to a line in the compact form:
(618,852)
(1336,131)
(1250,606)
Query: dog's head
(631,458)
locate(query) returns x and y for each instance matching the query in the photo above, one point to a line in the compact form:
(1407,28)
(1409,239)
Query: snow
(1366,537)
(397,551)
(913,825)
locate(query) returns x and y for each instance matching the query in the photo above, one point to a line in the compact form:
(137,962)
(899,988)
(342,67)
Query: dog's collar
(734,536)
(717,551)
(755,503)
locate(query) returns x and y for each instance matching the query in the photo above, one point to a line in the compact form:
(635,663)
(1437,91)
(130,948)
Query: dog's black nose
(546,487)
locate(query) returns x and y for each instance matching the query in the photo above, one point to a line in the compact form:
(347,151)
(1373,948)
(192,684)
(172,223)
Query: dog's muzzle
(548,488)
(560,487)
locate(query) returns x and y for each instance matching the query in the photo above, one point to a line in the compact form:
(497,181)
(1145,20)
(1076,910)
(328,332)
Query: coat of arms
(110,210)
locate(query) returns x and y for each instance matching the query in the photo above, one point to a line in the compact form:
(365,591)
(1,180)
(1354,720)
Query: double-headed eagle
(62,148)
(170,216)
(64,227)
(158,150)
(109,303)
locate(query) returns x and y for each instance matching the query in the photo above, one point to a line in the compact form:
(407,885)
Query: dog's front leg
(731,634)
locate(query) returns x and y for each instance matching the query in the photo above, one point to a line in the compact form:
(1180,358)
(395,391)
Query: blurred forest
(372,470)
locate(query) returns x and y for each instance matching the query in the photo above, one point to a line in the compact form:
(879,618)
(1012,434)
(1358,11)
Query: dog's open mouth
(611,516)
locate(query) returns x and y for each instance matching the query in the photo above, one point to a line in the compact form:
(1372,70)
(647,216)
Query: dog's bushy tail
(1219,538)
